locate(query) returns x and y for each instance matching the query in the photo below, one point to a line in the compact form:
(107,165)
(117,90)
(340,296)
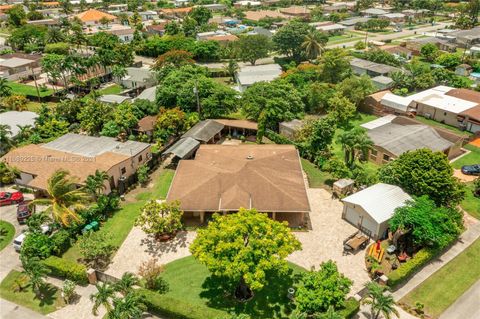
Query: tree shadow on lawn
(270,302)
(47,295)
(157,248)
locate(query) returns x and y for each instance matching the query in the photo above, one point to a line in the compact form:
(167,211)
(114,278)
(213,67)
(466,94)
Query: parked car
(9,198)
(471,169)
(24,211)
(18,241)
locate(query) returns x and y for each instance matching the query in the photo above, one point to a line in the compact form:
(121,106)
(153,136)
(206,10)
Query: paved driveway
(9,310)
(325,240)
(140,247)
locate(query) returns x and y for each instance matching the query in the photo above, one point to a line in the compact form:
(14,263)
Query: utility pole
(195,90)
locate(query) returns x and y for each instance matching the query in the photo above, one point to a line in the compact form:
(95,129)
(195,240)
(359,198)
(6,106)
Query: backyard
(28,90)
(112,89)
(445,286)
(120,224)
(50,302)
(471,158)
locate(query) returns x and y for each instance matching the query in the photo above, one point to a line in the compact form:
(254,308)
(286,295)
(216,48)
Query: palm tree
(313,44)
(118,72)
(130,307)
(379,301)
(24,133)
(65,198)
(5,89)
(35,271)
(5,138)
(126,283)
(231,68)
(55,35)
(354,143)
(95,184)
(103,297)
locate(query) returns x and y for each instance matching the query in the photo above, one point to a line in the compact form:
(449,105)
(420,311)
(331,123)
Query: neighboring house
(297,11)
(415,45)
(392,136)
(361,66)
(334,8)
(125,35)
(138,77)
(372,104)
(81,155)
(176,12)
(148,15)
(394,17)
(370,209)
(92,17)
(382,82)
(262,14)
(14,119)
(251,74)
(19,66)
(398,51)
(415,13)
(262,31)
(148,94)
(224,178)
(471,117)
(220,36)
(353,22)
(237,128)
(247,3)
(373,12)
(331,29)
(45,22)
(114,98)
(214,7)
(156,29)
(466,38)
(147,125)
(206,132)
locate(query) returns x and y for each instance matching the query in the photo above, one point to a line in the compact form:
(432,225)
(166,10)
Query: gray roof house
(148,94)
(138,77)
(371,209)
(382,82)
(14,119)
(251,74)
(183,148)
(374,12)
(361,66)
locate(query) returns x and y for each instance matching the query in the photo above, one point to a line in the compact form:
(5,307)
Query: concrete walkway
(10,310)
(467,238)
(467,306)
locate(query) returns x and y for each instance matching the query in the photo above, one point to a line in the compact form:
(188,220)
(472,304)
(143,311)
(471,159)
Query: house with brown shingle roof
(93,16)
(224,178)
(81,155)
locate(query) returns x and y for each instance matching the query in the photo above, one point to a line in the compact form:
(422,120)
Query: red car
(9,198)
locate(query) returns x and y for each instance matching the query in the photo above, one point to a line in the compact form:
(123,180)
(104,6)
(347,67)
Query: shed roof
(183,147)
(379,200)
(204,130)
(251,74)
(246,124)
(148,94)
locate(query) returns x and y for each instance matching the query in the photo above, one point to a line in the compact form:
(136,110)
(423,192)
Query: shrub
(410,267)
(351,307)
(142,174)
(61,241)
(37,245)
(95,248)
(68,290)
(63,268)
(150,271)
(175,308)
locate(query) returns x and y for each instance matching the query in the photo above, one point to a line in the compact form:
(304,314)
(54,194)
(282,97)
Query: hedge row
(174,308)
(67,269)
(407,269)
(277,138)
(352,306)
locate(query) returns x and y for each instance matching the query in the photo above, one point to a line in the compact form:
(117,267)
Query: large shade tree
(289,39)
(424,172)
(243,248)
(65,198)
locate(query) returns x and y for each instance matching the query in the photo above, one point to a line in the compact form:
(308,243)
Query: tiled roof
(94,15)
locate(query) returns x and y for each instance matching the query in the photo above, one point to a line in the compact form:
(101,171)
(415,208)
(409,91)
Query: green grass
(471,203)
(446,285)
(8,232)
(316,177)
(113,89)
(120,224)
(35,106)
(471,158)
(27,90)
(336,39)
(441,125)
(27,298)
(190,282)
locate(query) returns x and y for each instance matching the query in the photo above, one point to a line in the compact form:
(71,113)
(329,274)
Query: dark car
(9,198)
(24,211)
(471,169)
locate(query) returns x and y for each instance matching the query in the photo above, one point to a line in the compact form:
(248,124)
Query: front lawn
(471,158)
(190,282)
(120,224)
(50,302)
(446,285)
(7,232)
(28,90)
(471,204)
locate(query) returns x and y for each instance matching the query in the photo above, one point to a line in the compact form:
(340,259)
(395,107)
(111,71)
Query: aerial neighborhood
(269,159)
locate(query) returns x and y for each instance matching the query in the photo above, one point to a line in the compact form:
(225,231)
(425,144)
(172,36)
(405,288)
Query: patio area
(325,240)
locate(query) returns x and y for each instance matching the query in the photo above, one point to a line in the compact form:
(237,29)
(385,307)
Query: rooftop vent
(249,157)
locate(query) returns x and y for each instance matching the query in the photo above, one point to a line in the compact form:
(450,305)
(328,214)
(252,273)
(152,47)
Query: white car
(17,242)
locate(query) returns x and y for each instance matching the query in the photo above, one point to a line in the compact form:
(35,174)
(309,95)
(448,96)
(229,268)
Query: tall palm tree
(313,44)
(130,307)
(35,271)
(103,297)
(231,68)
(24,133)
(64,197)
(95,184)
(55,35)
(6,141)
(354,142)
(380,302)
(5,89)
(118,72)
(126,283)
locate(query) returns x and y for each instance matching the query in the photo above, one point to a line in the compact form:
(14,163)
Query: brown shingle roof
(465,94)
(225,178)
(147,123)
(473,113)
(43,162)
(223,38)
(238,123)
(261,14)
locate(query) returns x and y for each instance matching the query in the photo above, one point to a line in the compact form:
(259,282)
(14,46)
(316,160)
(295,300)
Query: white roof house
(15,119)
(251,74)
(371,208)
(378,122)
